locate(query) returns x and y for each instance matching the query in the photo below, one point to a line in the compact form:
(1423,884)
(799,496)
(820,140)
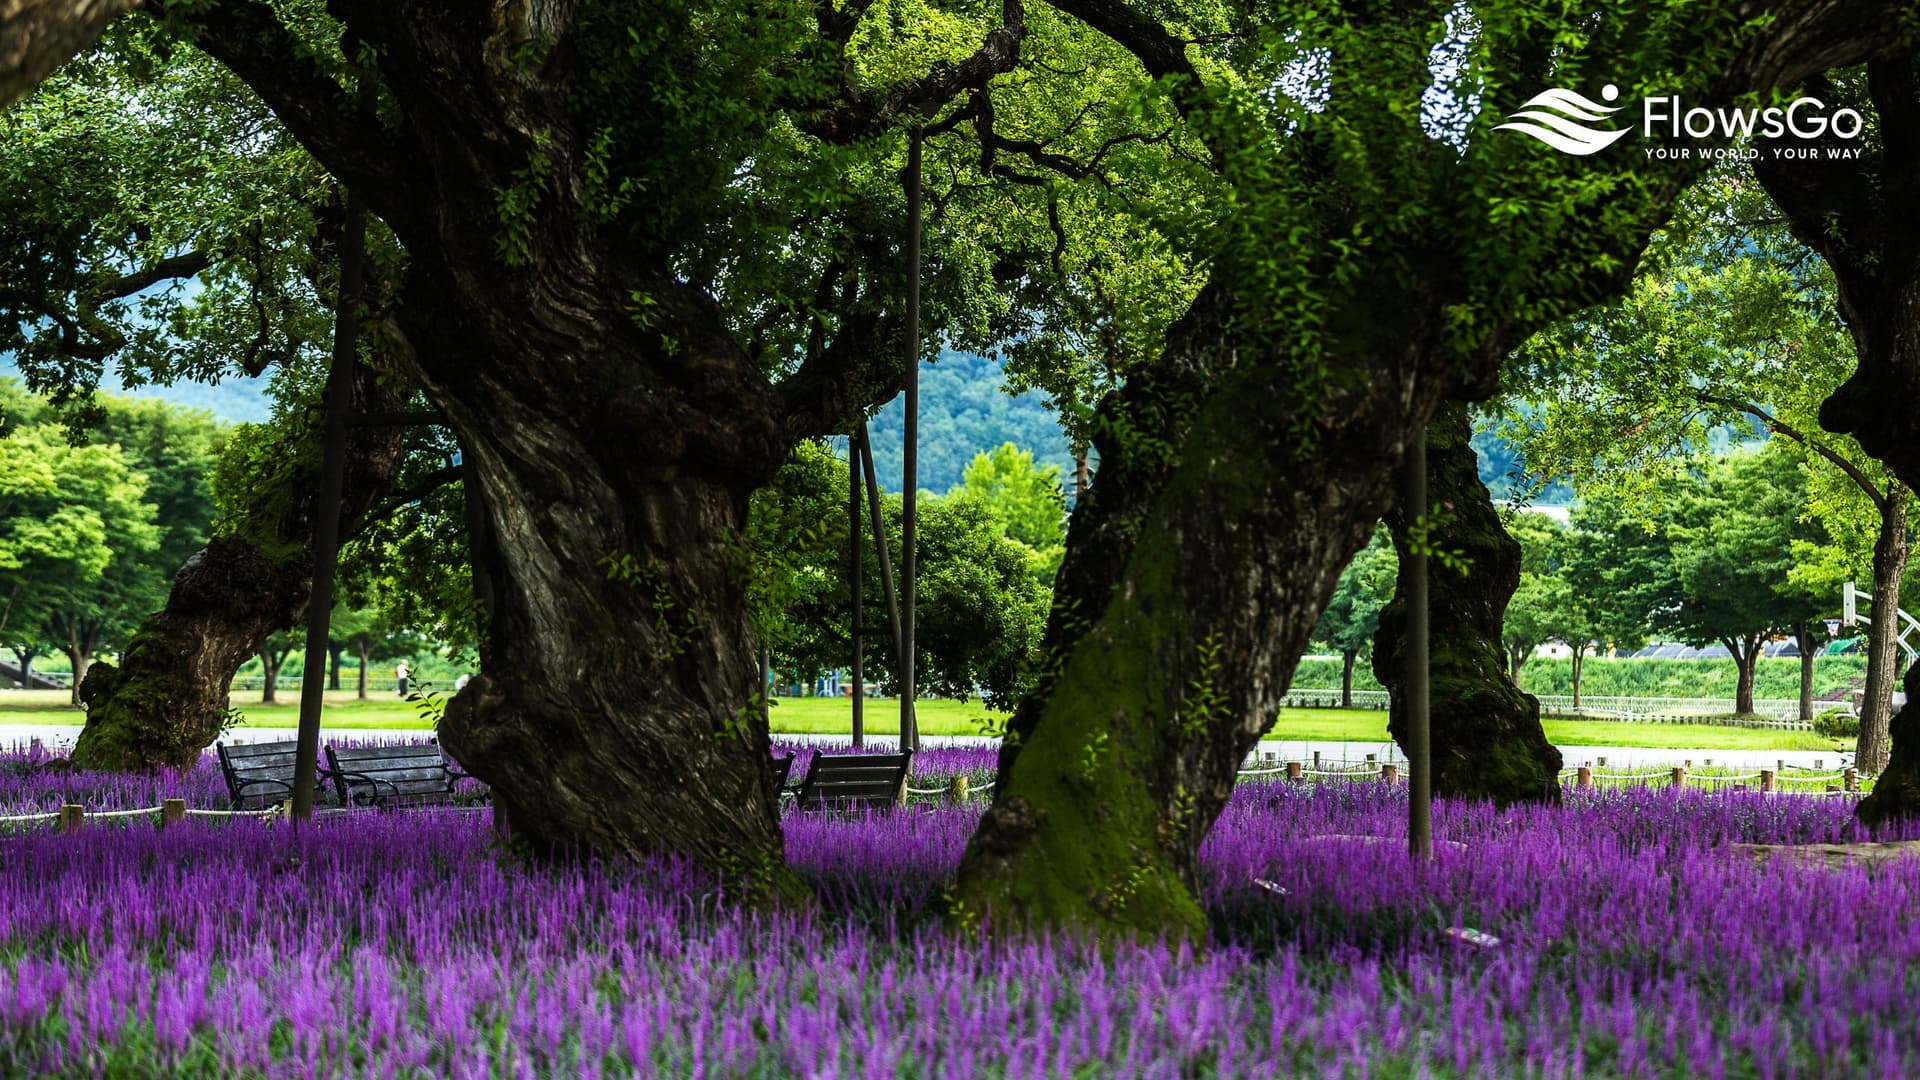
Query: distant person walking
(400,672)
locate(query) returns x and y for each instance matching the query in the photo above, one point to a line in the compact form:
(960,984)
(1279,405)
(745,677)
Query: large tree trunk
(360,689)
(24,658)
(633,667)
(1191,584)
(1883,635)
(1857,213)
(37,36)
(1487,739)
(167,700)
(335,650)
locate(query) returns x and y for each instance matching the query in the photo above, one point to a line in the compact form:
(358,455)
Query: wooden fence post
(172,812)
(1316,759)
(1584,779)
(1679,777)
(1851,778)
(72,816)
(1293,770)
(1766,780)
(957,789)
(1390,774)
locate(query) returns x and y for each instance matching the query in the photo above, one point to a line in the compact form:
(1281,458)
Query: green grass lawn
(830,716)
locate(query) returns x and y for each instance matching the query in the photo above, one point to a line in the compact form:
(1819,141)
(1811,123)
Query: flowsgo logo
(1567,121)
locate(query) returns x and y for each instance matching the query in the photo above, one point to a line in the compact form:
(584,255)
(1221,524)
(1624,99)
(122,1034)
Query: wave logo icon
(1554,118)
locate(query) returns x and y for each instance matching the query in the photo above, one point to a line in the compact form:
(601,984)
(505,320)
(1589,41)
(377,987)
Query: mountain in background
(231,401)
(963,412)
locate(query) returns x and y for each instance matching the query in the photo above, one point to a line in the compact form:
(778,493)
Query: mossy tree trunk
(1857,213)
(1487,739)
(1194,575)
(167,699)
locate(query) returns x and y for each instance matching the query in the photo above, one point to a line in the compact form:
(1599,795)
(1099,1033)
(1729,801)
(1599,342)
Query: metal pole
(1415,677)
(887,588)
(910,480)
(857,588)
(326,507)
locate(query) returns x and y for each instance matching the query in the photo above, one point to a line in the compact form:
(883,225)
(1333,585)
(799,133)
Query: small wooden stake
(1679,777)
(1851,778)
(957,789)
(72,816)
(172,812)
(1766,780)
(1584,779)
(1390,774)
(1293,770)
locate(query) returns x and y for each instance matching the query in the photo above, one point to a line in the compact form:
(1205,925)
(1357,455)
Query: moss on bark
(1487,738)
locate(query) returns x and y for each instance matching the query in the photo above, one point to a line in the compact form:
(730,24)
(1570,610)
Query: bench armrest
(373,782)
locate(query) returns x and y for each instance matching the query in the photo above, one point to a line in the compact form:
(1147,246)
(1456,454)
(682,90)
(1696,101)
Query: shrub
(1837,724)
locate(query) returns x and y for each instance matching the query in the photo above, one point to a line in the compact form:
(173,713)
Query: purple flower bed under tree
(1632,942)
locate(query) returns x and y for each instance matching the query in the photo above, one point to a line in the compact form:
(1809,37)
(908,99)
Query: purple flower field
(1631,943)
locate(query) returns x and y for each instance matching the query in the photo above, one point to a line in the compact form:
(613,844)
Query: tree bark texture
(37,36)
(1857,213)
(1487,739)
(167,699)
(1883,636)
(1191,583)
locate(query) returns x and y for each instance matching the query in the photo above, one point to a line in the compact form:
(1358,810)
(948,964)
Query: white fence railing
(1776,713)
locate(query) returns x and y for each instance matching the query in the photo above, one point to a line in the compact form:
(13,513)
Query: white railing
(1776,713)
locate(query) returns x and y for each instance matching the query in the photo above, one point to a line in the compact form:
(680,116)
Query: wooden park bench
(854,781)
(394,774)
(783,770)
(260,775)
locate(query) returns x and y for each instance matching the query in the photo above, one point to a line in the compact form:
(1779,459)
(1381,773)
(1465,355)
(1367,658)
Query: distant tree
(1352,617)
(1026,498)
(981,606)
(76,542)
(274,650)
(1732,550)
(1615,572)
(1533,615)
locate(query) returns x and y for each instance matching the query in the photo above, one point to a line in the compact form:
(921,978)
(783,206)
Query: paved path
(59,737)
